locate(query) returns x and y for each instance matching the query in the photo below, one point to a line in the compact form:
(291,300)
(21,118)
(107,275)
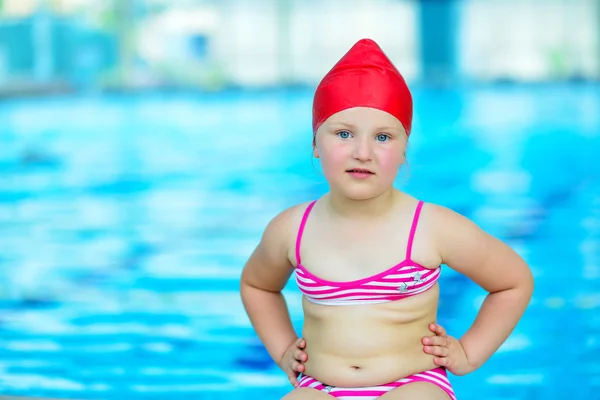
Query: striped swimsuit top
(405,279)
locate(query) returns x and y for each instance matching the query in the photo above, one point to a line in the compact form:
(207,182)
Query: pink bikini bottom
(436,376)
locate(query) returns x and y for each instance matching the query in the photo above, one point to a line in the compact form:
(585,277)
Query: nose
(362,150)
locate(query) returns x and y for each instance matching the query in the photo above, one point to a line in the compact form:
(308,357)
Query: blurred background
(145,144)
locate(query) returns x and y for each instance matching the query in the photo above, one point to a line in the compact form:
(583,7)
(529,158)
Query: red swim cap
(363,77)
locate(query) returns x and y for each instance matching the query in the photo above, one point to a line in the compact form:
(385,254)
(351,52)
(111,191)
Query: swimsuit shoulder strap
(413,229)
(301,230)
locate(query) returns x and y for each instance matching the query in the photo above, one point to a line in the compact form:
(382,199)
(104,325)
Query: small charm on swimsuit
(417,277)
(403,287)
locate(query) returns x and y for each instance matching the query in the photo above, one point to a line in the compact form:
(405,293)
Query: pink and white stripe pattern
(437,376)
(405,279)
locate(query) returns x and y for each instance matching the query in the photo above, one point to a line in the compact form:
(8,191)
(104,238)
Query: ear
(314,143)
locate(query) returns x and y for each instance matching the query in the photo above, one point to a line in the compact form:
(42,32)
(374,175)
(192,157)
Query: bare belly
(368,345)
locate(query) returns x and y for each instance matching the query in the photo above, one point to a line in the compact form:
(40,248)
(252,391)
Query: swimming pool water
(125,222)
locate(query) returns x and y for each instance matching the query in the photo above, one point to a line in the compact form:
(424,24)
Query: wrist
(282,352)
(472,365)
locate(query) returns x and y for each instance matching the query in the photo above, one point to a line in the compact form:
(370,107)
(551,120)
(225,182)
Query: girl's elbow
(525,286)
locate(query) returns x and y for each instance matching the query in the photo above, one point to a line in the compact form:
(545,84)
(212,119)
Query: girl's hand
(292,362)
(448,351)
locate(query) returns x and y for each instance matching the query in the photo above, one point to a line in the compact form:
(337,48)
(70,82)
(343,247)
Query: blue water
(125,222)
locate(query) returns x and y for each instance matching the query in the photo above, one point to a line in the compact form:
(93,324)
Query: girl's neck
(373,208)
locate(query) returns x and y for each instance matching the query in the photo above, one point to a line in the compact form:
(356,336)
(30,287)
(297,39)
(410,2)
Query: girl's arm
(263,277)
(495,267)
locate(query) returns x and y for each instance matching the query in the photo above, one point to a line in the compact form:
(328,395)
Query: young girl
(367,258)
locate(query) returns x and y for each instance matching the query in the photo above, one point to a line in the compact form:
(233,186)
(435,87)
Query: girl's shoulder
(284,226)
(438,214)
(443,224)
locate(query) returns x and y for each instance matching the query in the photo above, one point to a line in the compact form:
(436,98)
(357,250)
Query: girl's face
(361,150)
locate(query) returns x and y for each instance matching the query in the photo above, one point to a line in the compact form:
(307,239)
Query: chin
(360,193)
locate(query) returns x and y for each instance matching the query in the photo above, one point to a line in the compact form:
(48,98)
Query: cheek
(390,160)
(333,157)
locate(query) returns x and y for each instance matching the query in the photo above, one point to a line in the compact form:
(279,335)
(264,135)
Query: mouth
(360,171)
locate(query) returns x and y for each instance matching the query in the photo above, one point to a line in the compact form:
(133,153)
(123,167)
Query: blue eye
(344,134)
(382,137)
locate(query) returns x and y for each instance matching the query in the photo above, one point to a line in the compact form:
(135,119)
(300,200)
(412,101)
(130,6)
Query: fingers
(439,351)
(436,341)
(441,361)
(293,380)
(295,369)
(300,356)
(438,345)
(296,365)
(437,329)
